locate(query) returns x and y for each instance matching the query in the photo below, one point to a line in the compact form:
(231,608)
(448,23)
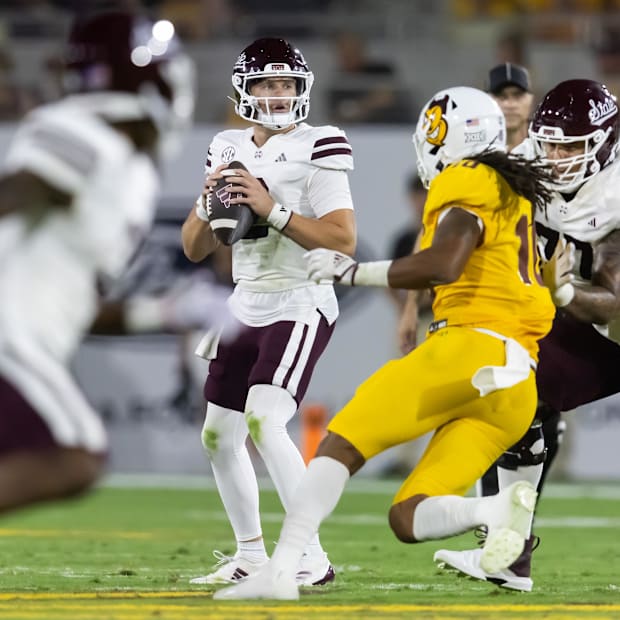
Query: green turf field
(128,553)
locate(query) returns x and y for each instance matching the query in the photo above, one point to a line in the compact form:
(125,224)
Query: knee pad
(224,430)
(268,410)
(529,450)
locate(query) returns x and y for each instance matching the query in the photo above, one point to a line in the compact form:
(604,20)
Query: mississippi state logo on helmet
(457,123)
(581,112)
(127,67)
(271,58)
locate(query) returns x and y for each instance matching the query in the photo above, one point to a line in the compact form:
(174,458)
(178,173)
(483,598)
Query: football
(229,222)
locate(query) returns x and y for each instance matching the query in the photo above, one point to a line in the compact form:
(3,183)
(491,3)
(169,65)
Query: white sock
(446,515)
(317,495)
(224,434)
(531,473)
(269,408)
(252,550)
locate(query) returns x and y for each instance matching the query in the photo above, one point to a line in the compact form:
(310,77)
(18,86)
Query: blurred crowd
(363,86)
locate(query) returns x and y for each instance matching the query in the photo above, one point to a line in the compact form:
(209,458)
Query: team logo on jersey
(435,125)
(600,111)
(228,154)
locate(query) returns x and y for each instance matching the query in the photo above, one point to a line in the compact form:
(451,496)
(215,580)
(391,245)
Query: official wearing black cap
(510,86)
(508,74)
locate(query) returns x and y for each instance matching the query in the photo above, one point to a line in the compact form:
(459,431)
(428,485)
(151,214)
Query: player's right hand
(407,332)
(557,271)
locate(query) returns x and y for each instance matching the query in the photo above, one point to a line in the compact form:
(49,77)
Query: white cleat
(315,570)
(468,563)
(510,527)
(229,569)
(263,585)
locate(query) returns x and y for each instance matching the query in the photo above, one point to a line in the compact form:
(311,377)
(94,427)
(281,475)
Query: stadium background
(148,388)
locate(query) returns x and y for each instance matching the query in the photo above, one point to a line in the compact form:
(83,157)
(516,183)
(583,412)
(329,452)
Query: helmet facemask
(571,172)
(248,106)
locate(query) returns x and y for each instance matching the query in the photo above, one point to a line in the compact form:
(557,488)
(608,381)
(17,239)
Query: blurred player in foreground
(575,129)
(472,381)
(296,182)
(77,196)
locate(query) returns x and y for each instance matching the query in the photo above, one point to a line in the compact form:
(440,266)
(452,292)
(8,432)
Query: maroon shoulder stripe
(332,140)
(329,152)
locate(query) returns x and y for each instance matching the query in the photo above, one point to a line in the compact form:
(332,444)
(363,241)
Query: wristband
(201,212)
(564,295)
(374,273)
(279,216)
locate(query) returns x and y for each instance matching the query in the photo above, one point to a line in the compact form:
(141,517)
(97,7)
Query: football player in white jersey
(575,129)
(296,183)
(77,194)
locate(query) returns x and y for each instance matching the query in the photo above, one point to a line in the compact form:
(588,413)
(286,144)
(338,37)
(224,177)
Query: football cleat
(315,570)
(263,585)
(509,527)
(515,577)
(229,569)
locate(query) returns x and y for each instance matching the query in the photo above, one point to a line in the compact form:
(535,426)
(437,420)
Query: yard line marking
(381,520)
(360,484)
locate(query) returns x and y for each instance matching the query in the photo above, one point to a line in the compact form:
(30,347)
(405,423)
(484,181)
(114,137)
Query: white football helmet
(457,123)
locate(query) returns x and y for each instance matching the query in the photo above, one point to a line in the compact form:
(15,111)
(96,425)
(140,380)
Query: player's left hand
(328,265)
(255,194)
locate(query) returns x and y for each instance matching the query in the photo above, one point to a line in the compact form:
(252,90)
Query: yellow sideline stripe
(16,533)
(74,597)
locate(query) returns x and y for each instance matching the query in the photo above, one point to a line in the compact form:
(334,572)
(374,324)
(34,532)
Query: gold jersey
(501,288)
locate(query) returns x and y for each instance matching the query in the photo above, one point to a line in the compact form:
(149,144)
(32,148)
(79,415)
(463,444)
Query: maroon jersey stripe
(332,140)
(329,152)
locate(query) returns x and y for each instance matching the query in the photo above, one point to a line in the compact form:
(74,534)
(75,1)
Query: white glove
(557,273)
(200,305)
(328,265)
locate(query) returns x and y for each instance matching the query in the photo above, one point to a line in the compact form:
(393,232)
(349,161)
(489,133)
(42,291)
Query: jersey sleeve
(329,191)
(331,149)
(63,152)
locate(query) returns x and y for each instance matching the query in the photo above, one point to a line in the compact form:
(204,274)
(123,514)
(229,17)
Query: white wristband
(374,273)
(201,212)
(279,216)
(564,295)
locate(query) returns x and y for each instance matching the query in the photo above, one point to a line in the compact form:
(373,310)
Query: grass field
(128,553)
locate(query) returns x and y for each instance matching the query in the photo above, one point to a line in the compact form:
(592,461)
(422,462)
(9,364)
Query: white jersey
(305,170)
(50,268)
(588,217)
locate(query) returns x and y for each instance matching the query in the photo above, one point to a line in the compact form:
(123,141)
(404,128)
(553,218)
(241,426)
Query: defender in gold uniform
(472,380)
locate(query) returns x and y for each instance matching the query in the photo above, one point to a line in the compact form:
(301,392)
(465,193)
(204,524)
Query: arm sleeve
(328,190)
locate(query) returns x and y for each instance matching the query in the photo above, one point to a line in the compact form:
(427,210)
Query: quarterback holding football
(293,179)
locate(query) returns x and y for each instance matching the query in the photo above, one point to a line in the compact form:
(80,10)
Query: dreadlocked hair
(528,178)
